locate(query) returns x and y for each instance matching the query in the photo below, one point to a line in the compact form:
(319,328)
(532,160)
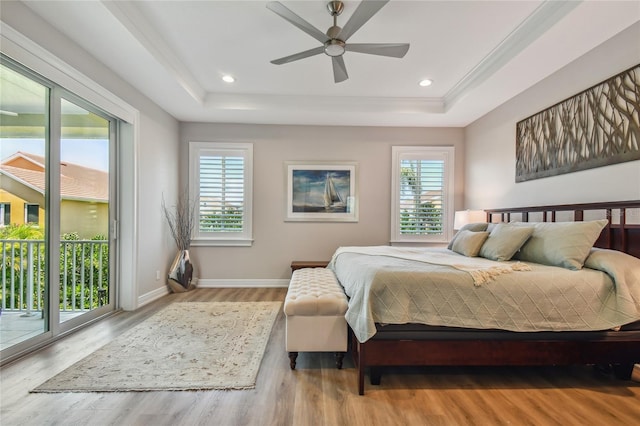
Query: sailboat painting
(320,192)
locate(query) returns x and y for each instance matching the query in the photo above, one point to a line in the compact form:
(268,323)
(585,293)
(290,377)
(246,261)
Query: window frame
(244,149)
(444,153)
(5,213)
(27,208)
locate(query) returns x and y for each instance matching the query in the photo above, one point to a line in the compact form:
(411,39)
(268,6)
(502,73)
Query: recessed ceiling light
(425,83)
(228,78)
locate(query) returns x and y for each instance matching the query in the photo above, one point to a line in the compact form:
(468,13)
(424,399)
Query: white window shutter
(422,194)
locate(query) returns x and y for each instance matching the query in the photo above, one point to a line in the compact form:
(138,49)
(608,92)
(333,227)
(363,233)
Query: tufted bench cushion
(315,292)
(314,307)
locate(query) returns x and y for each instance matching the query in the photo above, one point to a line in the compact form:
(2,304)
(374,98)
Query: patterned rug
(185,346)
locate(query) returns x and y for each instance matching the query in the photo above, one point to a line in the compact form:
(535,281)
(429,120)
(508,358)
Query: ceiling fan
(334,42)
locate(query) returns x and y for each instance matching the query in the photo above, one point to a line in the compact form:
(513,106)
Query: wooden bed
(441,346)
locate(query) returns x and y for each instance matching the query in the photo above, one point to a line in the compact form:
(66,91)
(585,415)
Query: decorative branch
(181,220)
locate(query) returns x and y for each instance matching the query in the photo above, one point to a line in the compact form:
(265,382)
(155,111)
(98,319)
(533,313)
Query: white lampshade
(463,217)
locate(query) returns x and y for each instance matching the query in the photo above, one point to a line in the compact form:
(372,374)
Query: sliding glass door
(84,200)
(24,130)
(57,198)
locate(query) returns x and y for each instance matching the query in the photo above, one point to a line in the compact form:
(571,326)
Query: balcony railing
(84,275)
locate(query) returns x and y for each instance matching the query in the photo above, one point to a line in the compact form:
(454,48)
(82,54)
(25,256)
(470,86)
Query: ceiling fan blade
(299,55)
(395,50)
(365,10)
(339,69)
(296,20)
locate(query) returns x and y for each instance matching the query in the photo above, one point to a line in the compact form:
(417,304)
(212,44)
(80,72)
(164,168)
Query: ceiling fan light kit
(334,41)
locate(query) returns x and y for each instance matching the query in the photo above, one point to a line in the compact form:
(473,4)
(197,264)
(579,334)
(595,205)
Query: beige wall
(87,218)
(490,141)
(277,242)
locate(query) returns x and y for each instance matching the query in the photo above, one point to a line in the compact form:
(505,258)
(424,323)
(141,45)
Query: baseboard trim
(214,283)
(242,283)
(152,295)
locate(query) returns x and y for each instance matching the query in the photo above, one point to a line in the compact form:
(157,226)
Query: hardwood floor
(316,393)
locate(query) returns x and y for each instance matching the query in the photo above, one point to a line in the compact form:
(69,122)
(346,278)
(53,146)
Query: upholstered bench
(314,307)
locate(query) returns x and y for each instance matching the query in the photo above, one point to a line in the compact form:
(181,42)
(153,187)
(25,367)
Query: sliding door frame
(37,59)
(53,328)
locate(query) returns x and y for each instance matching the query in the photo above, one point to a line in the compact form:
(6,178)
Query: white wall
(490,141)
(277,242)
(155,154)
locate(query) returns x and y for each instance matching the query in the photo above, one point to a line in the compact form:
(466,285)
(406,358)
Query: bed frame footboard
(621,350)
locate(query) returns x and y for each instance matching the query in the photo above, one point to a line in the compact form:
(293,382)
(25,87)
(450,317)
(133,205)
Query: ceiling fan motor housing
(335,7)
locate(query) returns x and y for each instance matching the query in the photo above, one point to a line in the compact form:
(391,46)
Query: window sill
(222,243)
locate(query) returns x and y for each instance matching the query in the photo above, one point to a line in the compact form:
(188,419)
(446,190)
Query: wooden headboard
(622,233)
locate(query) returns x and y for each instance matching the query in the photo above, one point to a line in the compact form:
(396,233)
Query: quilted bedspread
(396,285)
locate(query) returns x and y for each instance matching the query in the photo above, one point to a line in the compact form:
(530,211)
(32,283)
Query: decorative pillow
(468,243)
(504,241)
(564,244)
(474,227)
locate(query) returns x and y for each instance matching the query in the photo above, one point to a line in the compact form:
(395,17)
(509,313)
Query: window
(31,213)
(5,214)
(422,194)
(220,182)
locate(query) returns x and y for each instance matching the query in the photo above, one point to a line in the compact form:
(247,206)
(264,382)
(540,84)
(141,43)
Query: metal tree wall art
(595,128)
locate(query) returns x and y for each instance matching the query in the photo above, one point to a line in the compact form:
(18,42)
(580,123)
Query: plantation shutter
(221,193)
(221,181)
(422,194)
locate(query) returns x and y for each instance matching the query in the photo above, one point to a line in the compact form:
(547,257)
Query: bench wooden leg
(292,359)
(339,358)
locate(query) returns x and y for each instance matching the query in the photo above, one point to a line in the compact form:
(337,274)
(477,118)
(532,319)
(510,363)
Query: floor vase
(180,277)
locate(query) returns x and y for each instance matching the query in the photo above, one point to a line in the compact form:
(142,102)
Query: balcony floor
(16,327)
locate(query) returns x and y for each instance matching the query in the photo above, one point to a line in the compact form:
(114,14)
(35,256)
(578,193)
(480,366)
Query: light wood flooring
(316,393)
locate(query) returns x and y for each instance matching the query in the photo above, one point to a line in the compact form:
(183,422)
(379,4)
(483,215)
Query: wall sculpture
(597,127)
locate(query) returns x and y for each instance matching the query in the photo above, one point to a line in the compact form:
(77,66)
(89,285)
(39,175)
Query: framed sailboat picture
(319,192)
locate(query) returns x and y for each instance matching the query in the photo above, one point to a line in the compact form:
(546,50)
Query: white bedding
(398,286)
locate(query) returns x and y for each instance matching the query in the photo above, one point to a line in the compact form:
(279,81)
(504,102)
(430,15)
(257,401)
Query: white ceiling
(478,53)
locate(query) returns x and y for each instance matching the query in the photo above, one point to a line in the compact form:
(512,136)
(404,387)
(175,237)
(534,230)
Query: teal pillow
(504,241)
(564,244)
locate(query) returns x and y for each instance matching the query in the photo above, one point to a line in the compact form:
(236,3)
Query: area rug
(185,346)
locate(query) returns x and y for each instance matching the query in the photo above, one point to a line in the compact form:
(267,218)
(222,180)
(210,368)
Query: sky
(92,153)
(308,185)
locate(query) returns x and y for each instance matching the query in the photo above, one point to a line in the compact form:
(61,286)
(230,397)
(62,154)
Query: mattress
(401,286)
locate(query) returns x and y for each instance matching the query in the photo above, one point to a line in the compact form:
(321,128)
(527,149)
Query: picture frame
(321,191)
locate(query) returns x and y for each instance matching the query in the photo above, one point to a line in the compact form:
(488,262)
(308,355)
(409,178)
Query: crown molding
(408,105)
(152,41)
(537,23)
